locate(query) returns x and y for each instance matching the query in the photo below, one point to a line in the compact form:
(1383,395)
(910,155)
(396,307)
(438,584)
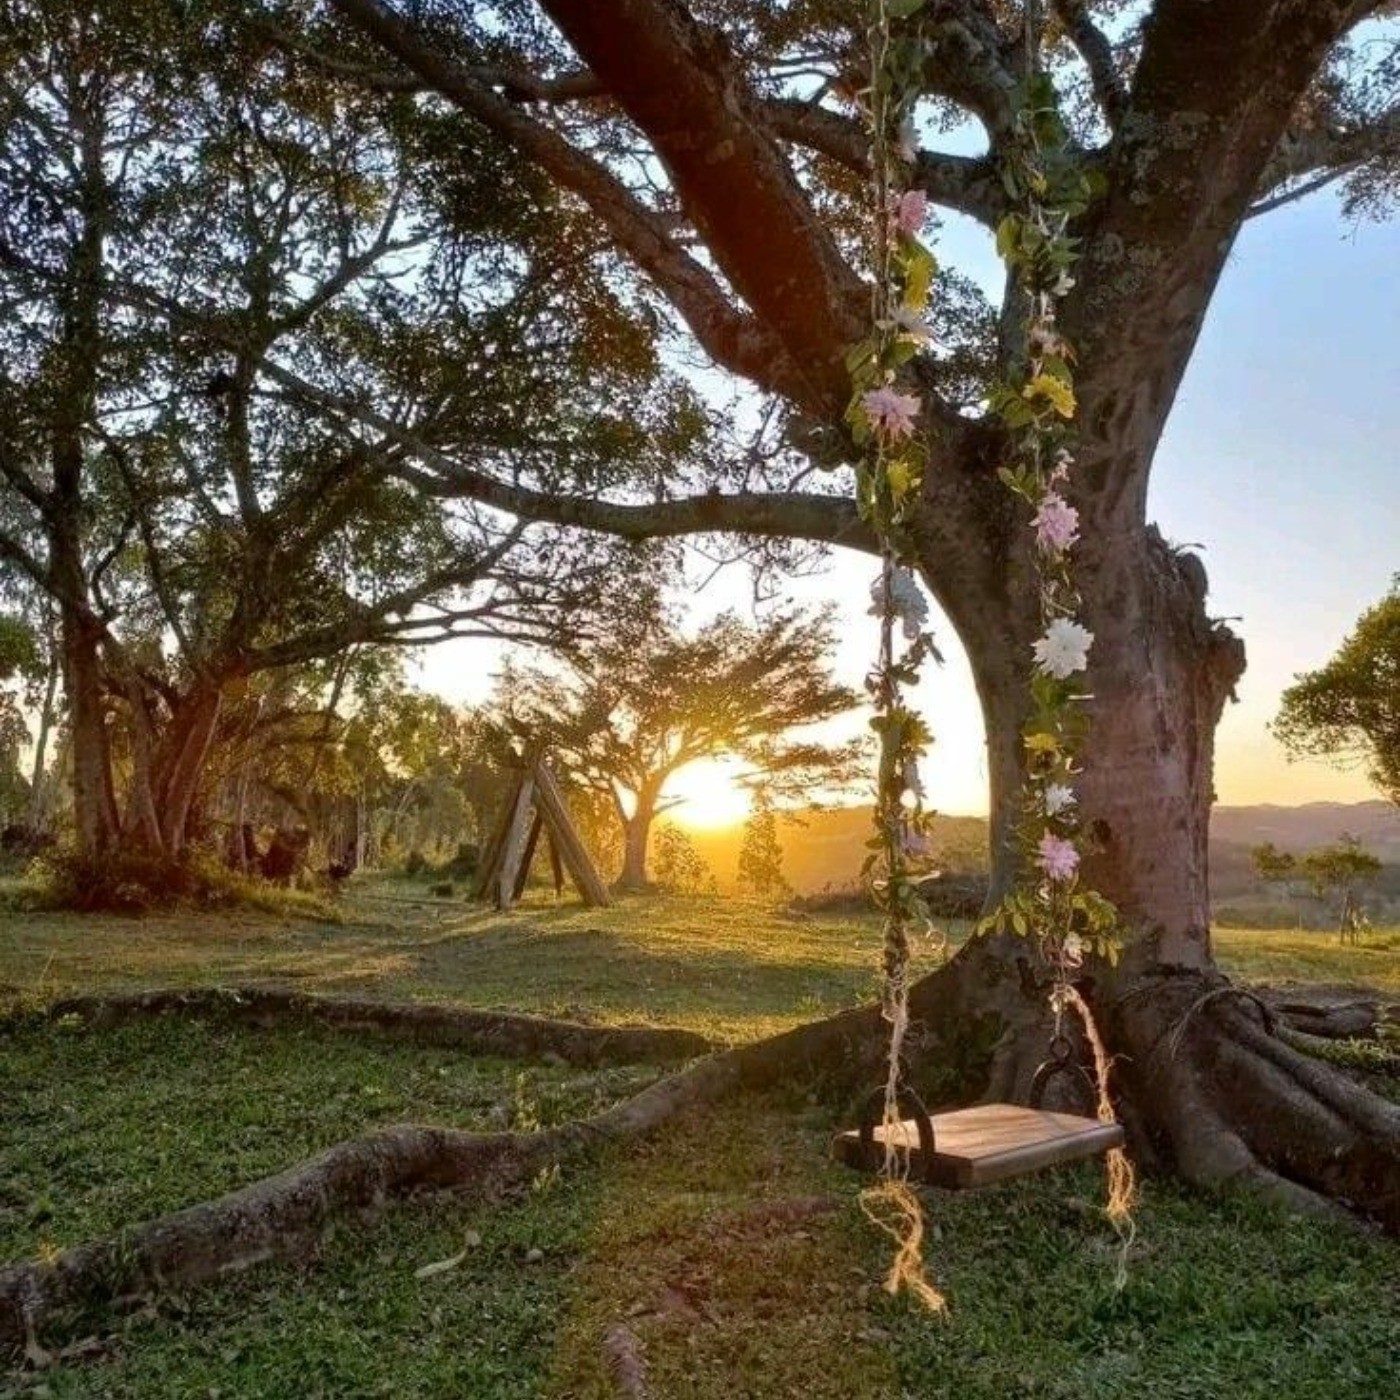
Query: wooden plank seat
(991,1142)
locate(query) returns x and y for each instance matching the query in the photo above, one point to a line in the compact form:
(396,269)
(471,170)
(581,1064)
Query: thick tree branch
(967,184)
(1306,162)
(736,341)
(972,65)
(682,86)
(1097,52)
(1213,93)
(785,514)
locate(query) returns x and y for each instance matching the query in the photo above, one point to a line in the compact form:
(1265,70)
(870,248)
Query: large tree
(646,700)
(714,143)
(185,213)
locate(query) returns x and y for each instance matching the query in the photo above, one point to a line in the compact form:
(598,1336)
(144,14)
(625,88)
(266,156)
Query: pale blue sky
(1280,460)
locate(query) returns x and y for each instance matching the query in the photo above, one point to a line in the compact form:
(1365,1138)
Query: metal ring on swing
(910,1105)
(1059,1060)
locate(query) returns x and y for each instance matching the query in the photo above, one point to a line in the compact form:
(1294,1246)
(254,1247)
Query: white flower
(906,600)
(1064,285)
(908,141)
(1064,649)
(1058,798)
(911,322)
(1072,949)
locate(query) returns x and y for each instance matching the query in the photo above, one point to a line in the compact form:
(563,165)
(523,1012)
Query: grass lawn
(727,1250)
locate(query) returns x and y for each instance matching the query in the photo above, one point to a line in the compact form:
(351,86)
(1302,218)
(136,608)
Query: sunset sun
(710,794)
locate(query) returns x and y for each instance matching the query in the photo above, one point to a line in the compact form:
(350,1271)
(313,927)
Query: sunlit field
(728,1247)
(731,968)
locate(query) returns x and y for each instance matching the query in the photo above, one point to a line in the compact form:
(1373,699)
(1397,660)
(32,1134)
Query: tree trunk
(1204,1084)
(94,805)
(39,812)
(636,838)
(186,752)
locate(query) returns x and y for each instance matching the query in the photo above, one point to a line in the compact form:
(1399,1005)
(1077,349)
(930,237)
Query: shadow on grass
(607,975)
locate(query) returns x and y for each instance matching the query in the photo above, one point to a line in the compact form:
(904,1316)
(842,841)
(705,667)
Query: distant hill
(827,846)
(1375,824)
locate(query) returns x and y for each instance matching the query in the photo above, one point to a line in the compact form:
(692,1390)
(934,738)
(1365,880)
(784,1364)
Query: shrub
(132,883)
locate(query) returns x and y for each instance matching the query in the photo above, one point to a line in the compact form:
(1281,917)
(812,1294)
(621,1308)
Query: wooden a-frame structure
(536,805)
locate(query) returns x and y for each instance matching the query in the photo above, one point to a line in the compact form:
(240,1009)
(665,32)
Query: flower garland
(1037,404)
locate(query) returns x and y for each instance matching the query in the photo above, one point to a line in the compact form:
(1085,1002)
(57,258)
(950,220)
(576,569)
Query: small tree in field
(680,868)
(761,853)
(648,700)
(1276,867)
(1349,709)
(1339,872)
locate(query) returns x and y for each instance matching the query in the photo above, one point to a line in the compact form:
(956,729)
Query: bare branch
(789,515)
(1323,154)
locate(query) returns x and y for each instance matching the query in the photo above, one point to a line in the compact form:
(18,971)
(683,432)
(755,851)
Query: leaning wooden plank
(995,1142)
(514,848)
(491,857)
(530,844)
(556,814)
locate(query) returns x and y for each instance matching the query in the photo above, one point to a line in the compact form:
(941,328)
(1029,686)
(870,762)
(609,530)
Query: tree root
(500,1033)
(1210,1092)
(1226,1099)
(284,1216)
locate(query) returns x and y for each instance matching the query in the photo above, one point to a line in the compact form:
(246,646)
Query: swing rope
(1037,405)
(884,419)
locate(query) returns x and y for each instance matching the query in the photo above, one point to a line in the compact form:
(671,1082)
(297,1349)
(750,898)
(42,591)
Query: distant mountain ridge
(1375,824)
(827,846)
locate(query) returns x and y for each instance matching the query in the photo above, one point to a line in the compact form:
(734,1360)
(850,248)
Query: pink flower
(891,413)
(1056,523)
(910,211)
(1057,857)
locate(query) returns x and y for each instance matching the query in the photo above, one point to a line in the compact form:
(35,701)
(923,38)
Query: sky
(1279,462)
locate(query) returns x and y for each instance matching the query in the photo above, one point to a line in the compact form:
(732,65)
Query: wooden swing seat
(991,1142)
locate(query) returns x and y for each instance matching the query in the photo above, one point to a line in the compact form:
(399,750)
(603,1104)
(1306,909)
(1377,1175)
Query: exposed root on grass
(500,1033)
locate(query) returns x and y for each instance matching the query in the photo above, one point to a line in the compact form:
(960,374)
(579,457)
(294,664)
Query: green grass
(726,967)
(730,968)
(1226,1297)
(106,1127)
(1293,955)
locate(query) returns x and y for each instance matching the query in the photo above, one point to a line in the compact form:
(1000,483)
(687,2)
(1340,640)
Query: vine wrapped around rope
(1037,405)
(884,421)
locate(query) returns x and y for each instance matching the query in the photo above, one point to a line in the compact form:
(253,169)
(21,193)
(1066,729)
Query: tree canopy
(647,699)
(1349,709)
(192,221)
